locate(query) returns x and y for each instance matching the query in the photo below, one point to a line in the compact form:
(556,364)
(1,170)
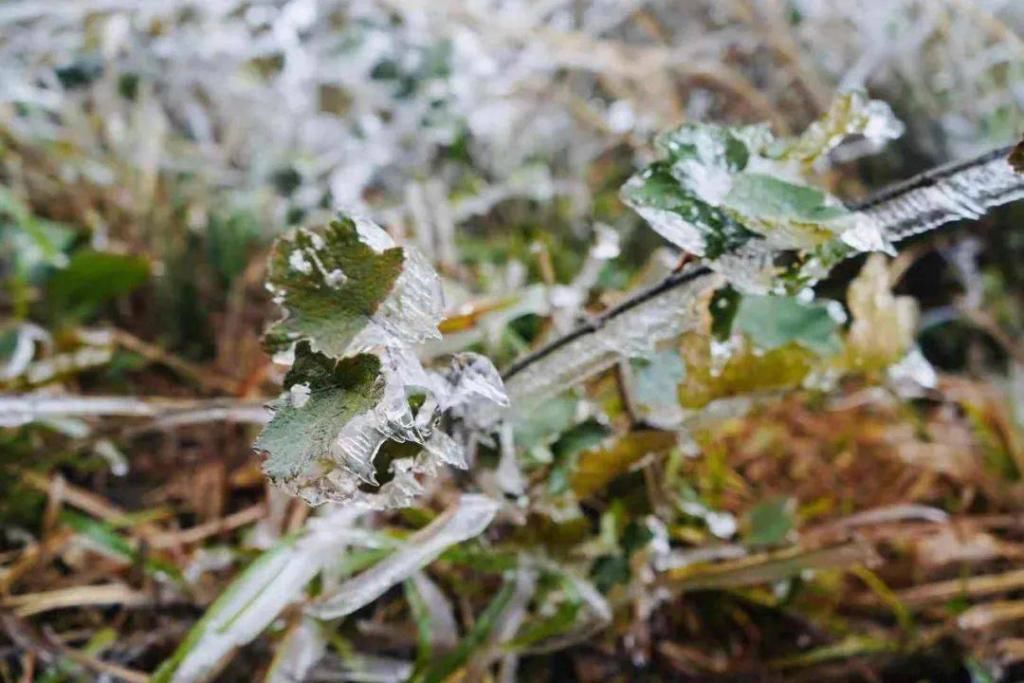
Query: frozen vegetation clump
(356,309)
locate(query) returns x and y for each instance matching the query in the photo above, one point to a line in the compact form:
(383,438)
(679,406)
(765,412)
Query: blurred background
(150,153)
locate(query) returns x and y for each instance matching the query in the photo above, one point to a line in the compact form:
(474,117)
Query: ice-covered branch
(963,190)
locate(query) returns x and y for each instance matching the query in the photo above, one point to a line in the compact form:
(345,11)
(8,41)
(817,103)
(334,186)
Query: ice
(851,114)
(472,378)
(272,582)
(686,235)
(335,278)
(955,192)
(444,632)
(620,333)
(467,519)
(24,349)
(298,262)
(410,314)
(348,472)
(298,652)
(299,394)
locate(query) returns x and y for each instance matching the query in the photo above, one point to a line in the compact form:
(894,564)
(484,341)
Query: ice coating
(272,582)
(685,234)
(954,192)
(357,307)
(411,313)
(618,334)
(339,435)
(346,287)
(851,113)
(471,515)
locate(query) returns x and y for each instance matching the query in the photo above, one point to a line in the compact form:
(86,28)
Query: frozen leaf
(302,647)
(467,519)
(851,114)
(254,599)
(335,416)
(744,370)
(769,198)
(737,197)
(346,287)
(884,325)
(680,216)
(300,441)
(775,321)
(432,612)
(653,386)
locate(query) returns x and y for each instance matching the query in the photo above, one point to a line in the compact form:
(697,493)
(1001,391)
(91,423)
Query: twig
(212,528)
(27,604)
(155,354)
(21,409)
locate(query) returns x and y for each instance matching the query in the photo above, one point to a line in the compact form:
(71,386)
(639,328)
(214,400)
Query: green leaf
(321,396)
(103,538)
(706,229)
(93,278)
(767,197)
(774,321)
(346,285)
(421,617)
(769,522)
(449,664)
(724,304)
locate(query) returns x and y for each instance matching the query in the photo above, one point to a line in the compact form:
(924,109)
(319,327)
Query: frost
(346,287)
(912,373)
(471,516)
(298,262)
(299,394)
(27,334)
(335,278)
(720,524)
